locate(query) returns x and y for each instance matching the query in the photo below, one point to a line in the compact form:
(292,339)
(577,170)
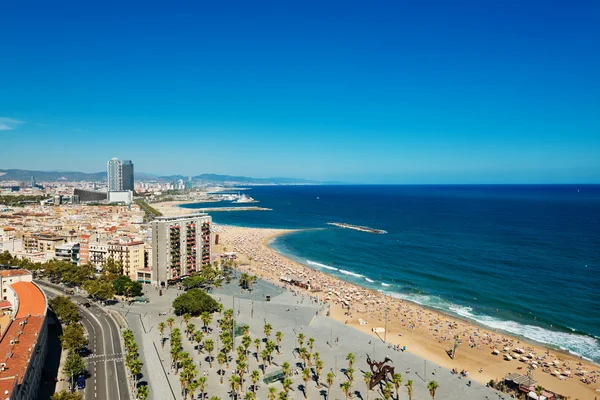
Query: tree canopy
(65,309)
(123,285)
(195,302)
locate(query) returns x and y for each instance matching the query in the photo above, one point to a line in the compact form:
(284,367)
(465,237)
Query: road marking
(103,348)
(312,320)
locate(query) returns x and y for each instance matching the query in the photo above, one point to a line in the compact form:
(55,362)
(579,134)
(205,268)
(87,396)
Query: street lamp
(387,309)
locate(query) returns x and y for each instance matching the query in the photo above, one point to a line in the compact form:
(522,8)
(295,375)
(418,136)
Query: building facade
(115,175)
(127,175)
(180,246)
(130,254)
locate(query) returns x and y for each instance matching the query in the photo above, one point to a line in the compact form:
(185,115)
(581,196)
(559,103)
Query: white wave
(369,280)
(385,284)
(321,265)
(462,311)
(572,342)
(343,271)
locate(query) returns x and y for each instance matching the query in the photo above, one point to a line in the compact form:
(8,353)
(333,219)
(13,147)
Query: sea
(523,259)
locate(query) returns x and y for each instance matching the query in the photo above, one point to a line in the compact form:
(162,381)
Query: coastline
(424,331)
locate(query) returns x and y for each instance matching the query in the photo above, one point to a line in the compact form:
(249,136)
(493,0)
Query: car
(86,305)
(81,382)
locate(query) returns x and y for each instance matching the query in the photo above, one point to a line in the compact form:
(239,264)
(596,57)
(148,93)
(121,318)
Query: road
(106,361)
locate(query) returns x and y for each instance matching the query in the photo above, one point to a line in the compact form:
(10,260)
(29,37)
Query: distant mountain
(72,176)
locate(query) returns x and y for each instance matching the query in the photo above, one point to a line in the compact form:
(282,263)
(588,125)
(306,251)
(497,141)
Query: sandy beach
(424,332)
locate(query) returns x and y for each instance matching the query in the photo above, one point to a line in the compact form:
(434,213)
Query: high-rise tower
(115,175)
(127,175)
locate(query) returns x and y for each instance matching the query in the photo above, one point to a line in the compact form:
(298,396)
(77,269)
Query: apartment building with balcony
(130,254)
(181,246)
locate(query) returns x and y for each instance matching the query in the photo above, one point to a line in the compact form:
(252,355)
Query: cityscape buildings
(127,182)
(115,175)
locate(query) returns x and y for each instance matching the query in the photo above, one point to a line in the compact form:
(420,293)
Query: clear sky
(382,92)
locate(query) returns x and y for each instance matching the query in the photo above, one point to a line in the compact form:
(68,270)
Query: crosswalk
(101,358)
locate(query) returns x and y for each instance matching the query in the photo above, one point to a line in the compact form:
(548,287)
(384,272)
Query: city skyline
(385,93)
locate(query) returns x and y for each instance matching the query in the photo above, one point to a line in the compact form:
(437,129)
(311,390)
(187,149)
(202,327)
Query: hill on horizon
(75,176)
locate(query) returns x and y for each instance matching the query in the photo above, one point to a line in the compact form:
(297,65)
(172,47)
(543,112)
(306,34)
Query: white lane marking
(104,350)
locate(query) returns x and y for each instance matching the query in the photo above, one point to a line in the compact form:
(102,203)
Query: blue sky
(381,92)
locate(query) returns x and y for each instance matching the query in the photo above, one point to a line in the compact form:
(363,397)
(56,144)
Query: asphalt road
(106,361)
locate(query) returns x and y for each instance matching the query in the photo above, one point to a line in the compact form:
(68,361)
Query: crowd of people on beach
(370,306)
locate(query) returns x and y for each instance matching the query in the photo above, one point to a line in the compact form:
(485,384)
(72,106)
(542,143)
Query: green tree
(257,344)
(209,346)
(329,379)
(161,329)
(272,393)
(409,389)
(267,330)
(346,389)
(66,310)
(206,318)
(432,386)
(305,378)
(202,383)
(287,384)
(65,395)
(387,391)
(195,302)
(397,381)
(143,392)
(73,337)
(74,366)
(367,378)
(99,289)
(350,357)
(285,367)
(255,376)
(221,359)
(279,338)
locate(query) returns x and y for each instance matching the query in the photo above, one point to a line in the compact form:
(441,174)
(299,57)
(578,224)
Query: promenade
(291,314)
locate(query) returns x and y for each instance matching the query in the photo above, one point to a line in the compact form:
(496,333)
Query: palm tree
(287,384)
(265,356)
(187,317)
(538,390)
(257,344)
(300,338)
(318,369)
(387,390)
(215,398)
(432,387)
(135,367)
(246,342)
(272,393)
(192,387)
(250,396)
(329,379)
(202,386)
(234,383)
(367,378)
(350,374)
(161,329)
(285,368)
(346,389)
(305,378)
(279,337)
(409,389)
(255,376)
(397,381)
(170,323)
(241,370)
(189,329)
(268,329)
(350,357)
(209,346)
(303,353)
(143,392)
(221,358)
(311,343)
(206,318)
(198,336)
(283,396)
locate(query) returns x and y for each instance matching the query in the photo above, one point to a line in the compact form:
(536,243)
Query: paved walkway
(290,314)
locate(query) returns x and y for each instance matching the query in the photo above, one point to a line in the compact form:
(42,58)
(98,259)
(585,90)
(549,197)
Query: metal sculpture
(380,371)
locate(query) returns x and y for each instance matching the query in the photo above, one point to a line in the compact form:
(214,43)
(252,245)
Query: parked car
(81,382)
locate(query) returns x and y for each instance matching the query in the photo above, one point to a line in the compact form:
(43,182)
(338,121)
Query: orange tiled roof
(31,299)
(12,272)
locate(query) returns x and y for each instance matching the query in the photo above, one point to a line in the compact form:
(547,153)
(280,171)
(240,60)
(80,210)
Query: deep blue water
(524,259)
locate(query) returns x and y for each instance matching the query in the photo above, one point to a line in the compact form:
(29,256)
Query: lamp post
(385,329)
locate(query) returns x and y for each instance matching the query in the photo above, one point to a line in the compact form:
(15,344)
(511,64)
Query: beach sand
(424,332)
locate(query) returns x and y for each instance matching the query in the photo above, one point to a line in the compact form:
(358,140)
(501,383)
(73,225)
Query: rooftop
(180,217)
(6,273)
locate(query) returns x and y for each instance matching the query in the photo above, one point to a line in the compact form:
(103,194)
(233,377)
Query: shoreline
(426,332)
(422,340)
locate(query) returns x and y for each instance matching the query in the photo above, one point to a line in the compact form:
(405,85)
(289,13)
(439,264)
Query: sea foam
(316,264)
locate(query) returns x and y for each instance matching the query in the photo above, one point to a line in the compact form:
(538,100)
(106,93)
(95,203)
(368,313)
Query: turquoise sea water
(522,259)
